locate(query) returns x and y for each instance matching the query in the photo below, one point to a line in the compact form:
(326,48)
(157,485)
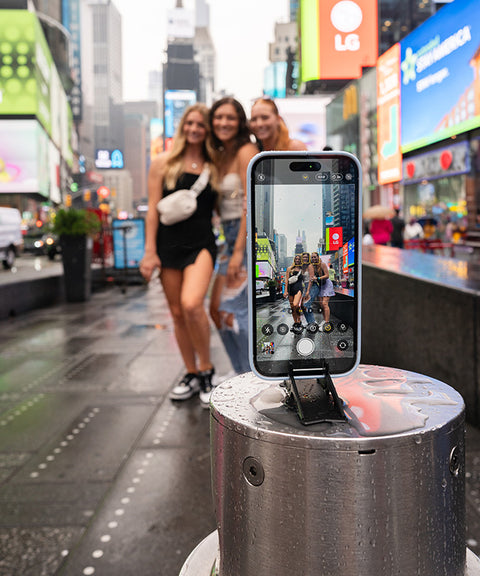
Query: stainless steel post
(383,493)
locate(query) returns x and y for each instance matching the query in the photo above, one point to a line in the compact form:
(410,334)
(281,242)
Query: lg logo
(346,16)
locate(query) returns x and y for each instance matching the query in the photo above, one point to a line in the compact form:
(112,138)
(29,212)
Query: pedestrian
(413,230)
(233,150)
(398,228)
(294,288)
(185,252)
(381,230)
(324,289)
(269,128)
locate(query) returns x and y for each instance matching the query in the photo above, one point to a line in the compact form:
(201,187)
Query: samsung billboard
(440,76)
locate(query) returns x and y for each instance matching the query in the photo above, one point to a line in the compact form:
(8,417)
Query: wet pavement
(100,472)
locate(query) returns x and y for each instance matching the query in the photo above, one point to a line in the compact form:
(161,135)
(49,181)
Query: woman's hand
(234,268)
(148,264)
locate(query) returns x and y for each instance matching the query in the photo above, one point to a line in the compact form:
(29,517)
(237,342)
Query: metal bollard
(383,493)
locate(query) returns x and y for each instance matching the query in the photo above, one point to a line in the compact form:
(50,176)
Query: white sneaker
(186,388)
(321,325)
(206,386)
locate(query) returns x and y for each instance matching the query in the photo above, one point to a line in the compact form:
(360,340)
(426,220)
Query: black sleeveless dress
(179,245)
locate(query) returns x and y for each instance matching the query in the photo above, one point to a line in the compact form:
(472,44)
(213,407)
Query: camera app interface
(305,230)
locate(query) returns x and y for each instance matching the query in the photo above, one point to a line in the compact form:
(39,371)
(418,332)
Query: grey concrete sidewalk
(100,472)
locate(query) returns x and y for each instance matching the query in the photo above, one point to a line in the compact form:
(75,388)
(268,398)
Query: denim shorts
(230,231)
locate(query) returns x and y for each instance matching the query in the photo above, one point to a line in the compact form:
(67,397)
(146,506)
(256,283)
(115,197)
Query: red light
(38,223)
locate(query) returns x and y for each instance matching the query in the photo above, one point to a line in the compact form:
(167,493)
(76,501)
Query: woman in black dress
(294,290)
(185,252)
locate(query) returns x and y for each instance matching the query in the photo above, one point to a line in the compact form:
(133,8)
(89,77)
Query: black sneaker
(206,386)
(186,388)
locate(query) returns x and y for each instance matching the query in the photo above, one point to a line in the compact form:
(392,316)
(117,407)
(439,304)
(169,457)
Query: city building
(37,136)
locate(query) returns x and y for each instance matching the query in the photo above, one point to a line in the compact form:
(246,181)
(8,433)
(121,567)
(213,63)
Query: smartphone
(304,259)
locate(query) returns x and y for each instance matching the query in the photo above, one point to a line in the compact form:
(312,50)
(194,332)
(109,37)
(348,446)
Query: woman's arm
(244,155)
(150,259)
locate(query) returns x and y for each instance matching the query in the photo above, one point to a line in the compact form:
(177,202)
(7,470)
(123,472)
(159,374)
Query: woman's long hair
(244,132)
(283,137)
(174,163)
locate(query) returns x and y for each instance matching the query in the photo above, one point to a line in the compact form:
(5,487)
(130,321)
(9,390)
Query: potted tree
(272,289)
(75,229)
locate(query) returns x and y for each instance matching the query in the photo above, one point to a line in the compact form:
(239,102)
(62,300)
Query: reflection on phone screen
(304,238)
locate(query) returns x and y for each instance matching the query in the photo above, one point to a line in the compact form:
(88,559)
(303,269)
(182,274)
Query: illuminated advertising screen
(109,159)
(24,158)
(338,38)
(440,65)
(351,252)
(176,101)
(388,116)
(264,270)
(128,242)
(333,238)
(71,21)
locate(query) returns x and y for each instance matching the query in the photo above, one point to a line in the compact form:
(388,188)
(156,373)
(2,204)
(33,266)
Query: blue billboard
(128,242)
(440,86)
(176,102)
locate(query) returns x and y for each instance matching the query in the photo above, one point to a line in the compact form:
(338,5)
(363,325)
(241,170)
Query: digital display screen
(310,218)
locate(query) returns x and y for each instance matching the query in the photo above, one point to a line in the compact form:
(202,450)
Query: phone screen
(304,262)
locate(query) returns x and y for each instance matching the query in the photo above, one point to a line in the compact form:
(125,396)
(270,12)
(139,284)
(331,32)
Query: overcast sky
(241,31)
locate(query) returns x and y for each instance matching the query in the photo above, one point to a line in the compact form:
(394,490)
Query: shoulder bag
(181,204)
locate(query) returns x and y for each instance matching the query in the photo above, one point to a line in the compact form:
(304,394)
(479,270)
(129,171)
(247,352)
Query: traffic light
(87,195)
(74,187)
(68,200)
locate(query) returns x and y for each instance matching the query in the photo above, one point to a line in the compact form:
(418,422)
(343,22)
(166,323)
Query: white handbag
(181,204)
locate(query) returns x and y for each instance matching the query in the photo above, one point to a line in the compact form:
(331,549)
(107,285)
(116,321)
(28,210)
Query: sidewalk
(100,472)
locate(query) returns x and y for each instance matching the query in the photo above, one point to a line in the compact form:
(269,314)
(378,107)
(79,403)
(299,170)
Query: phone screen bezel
(314,363)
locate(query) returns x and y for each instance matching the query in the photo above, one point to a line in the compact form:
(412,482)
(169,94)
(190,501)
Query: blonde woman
(185,252)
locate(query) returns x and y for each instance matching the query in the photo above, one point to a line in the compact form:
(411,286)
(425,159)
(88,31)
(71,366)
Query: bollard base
(203,561)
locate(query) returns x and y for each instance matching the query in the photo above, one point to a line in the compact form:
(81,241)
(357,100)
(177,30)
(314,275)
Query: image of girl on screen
(322,288)
(308,278)
(294,291)
(185,252)
(233,150)
(269,128)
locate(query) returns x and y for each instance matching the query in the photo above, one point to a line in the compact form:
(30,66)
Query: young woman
(294,287)
(228,303)
(270,129)
(185,252)
(322,287)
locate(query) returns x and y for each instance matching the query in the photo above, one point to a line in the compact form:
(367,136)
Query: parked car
(11,239)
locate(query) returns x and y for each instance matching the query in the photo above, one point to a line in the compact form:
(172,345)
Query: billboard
(71,21)
(176,102)
(29,82)
(128,242)
(388,116)
(338,38)
(333,238)
(24,158)
(440,81)
(305,117)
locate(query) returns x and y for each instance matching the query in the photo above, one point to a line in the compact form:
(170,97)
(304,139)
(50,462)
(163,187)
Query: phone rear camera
(305,166)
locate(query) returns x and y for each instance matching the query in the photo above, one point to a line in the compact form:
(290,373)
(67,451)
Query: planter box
(77,258)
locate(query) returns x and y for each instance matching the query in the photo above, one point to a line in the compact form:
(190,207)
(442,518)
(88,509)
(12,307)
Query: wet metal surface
(100,473)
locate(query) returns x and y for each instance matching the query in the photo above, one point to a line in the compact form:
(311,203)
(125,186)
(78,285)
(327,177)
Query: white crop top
(231,197)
